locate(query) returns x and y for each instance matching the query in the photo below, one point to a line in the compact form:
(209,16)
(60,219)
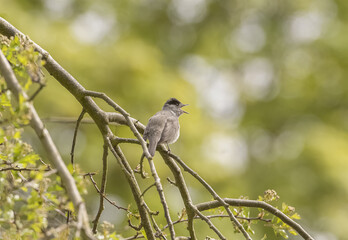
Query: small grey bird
(163,127)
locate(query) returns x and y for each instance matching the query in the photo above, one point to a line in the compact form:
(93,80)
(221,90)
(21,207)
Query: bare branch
(145,218)
(139,168)
(212,192)
(148,188)
(159,232)
(222,216)
(181,184)
(257,204)
(137,228)
(36,92)
(125,115)
(75,135)
(104,196)
(171,181)
(162,197)
(102,188)
(16,168)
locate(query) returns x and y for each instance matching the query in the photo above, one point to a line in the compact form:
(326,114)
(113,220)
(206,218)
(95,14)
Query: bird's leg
(168,148)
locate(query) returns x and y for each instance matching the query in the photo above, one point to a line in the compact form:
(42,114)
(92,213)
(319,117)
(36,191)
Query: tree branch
(102,188)
(98,116)
(162,197)
(104,196)
(75,135)
(47,142)
(257,204)
(145,219)
(125,115)
(212,192)
(19,169)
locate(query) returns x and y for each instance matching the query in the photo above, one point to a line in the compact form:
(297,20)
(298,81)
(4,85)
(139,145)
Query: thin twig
(212,192)
(75,135)
(69,120)
(257,204)
(104,196)
(139,169)
(210,217)
(159,232)
(36,92)
(102,188)
(223,216)
(136,236)
(148,188)
(171,181)
(137,228)
(23,169)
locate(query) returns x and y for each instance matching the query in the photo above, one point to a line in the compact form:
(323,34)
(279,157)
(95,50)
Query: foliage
(34,203)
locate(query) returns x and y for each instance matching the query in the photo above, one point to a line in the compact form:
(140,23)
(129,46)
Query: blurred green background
(266,82)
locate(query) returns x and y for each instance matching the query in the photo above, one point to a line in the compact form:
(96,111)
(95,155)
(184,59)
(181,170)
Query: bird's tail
(152,148)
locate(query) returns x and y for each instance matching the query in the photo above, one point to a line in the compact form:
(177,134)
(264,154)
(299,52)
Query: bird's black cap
(173,101)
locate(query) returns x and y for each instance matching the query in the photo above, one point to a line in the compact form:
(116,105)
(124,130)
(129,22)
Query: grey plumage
(163,127)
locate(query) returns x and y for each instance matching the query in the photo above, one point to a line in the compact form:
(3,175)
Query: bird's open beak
(183,110)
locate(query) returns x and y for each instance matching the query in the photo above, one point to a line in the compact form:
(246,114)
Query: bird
(164,127)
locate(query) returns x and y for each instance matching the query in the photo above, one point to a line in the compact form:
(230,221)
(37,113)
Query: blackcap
(163,127)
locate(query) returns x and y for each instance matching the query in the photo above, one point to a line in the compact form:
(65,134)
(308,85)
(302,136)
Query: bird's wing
(170,132)
(154,129)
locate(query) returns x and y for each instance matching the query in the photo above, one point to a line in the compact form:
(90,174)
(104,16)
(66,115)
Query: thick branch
(145,219)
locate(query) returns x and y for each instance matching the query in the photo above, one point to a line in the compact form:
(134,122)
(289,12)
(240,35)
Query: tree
(31,201)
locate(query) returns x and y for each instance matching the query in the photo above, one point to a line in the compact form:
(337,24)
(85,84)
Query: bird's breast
(171,131)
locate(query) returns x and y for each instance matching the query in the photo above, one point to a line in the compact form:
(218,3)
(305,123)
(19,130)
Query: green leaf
(144,233)
(17,135)
(283,233)
(295,216)
(29,159)
(292,231)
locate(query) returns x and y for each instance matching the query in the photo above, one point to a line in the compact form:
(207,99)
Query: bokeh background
(266,81)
